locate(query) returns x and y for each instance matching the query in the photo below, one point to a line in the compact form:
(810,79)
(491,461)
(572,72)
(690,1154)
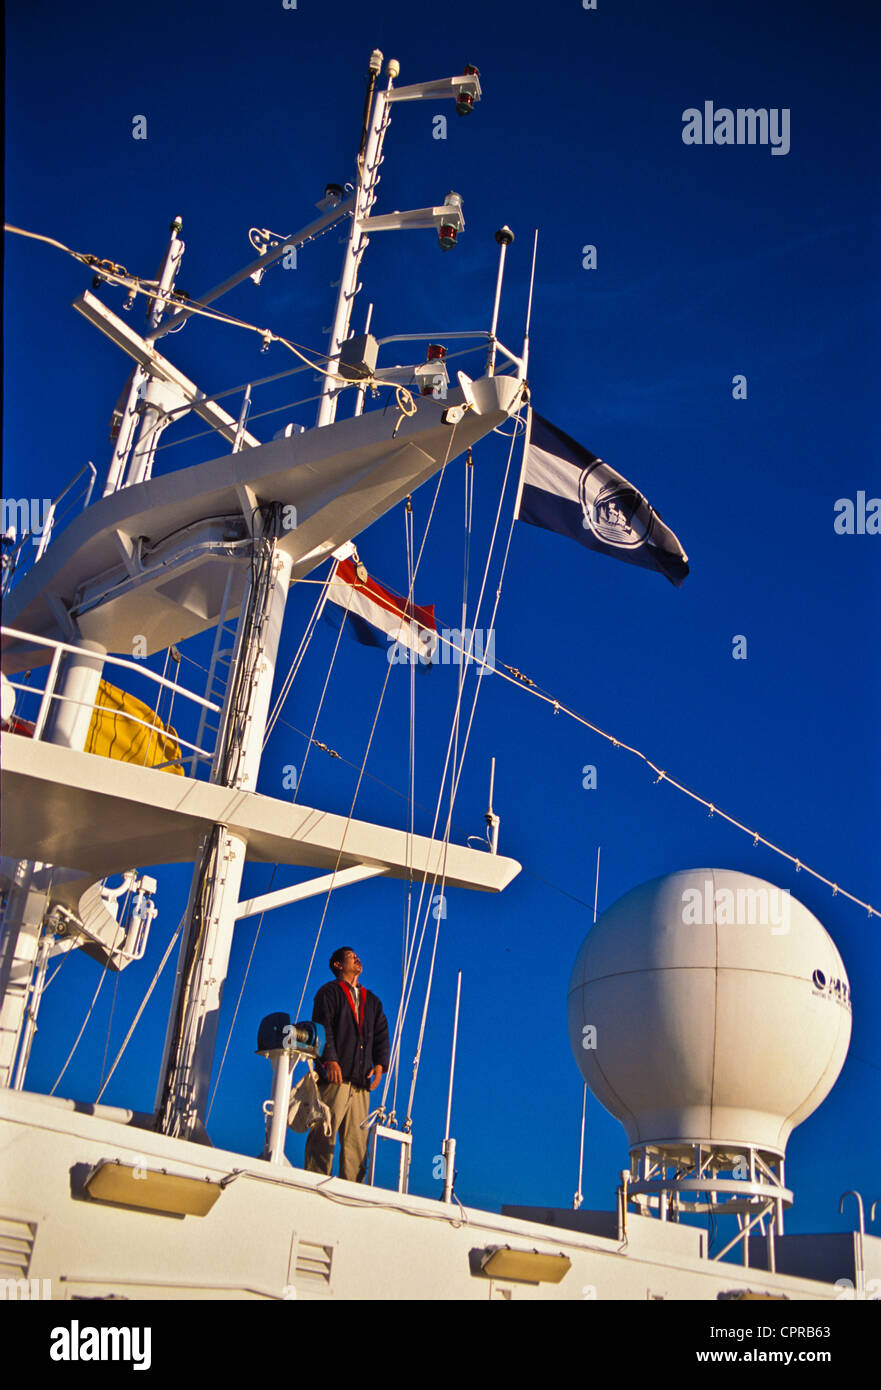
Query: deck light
(151,1189)
(529,1266)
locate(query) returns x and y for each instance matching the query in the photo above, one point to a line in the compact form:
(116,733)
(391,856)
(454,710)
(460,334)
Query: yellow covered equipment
(115,733)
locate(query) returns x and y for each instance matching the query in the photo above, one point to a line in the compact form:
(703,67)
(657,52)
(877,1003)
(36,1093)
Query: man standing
(354,1058)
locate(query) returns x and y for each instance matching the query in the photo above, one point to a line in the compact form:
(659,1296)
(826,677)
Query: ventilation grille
(314,1261)
(16,1247)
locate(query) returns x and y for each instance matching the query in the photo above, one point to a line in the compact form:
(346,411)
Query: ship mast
(222,540)
(182,1095)
(212,911)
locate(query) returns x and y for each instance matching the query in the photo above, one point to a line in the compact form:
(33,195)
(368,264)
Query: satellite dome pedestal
(710,1179)
(709,1011)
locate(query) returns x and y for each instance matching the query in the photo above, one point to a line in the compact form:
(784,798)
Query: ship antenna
(373,69)
(525,355)
(579,1195)
(449,1145)
(376,121)
(504,236)
(492,820)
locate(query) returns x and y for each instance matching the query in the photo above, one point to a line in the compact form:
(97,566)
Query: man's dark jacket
(358,1050)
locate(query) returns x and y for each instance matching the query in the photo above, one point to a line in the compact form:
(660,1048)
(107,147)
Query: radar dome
(709,1006)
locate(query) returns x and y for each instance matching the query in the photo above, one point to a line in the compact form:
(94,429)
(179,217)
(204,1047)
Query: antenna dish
(721,1010)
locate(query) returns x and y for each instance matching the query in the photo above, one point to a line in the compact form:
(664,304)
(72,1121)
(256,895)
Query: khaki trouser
(349,1105)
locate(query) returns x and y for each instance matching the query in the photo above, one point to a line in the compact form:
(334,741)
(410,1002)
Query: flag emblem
(611,509)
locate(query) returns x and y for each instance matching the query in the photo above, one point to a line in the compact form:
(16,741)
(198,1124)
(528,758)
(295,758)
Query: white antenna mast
(449,1145)
(129,416)
(525,356)
(492,820)
(446,218)
(504,236)
(579,1196)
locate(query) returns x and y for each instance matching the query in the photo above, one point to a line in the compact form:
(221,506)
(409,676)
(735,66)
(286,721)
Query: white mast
(447,217)
(142,387)
(182,1095)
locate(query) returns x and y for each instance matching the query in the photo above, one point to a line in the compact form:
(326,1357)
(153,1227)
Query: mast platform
(100,816)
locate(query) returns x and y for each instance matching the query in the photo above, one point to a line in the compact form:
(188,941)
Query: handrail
(109,660)
(45,531)
(123,714)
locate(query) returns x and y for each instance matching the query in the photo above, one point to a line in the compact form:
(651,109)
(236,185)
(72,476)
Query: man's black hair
(338,955)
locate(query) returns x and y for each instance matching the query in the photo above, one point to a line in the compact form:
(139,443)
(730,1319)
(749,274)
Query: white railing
(50,694)
(13,566)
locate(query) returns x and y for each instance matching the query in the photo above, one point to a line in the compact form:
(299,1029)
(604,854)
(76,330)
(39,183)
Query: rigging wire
(298,658)
(142,1007)
(109,1025)
(457,772)
(311,739)
(239,1000)
(114,274)
(103,977)
(120,916)
(411,790)
(275,867)
(440,479)
(399,1026)
(513,676)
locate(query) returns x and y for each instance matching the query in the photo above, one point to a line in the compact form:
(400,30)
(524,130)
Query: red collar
(348,993)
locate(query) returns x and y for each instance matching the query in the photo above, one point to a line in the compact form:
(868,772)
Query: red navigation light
(447,237)
(465,100)
(434,384)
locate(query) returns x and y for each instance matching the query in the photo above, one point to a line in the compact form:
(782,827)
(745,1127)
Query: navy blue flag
(566,488)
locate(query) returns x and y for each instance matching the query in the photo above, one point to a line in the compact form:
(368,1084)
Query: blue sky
(711,262)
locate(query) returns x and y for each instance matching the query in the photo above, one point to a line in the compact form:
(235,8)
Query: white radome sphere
(709,1006)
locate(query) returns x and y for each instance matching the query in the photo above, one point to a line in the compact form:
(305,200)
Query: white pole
(140,376)
(491,818)
(368,179)
(596,889)
(182,1095)
(579,1196)
(70,718)
(525,355)
(282,1074)
(504,236)
(449,1145)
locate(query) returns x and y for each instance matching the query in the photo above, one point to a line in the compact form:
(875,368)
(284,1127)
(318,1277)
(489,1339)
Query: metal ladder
(219,668)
